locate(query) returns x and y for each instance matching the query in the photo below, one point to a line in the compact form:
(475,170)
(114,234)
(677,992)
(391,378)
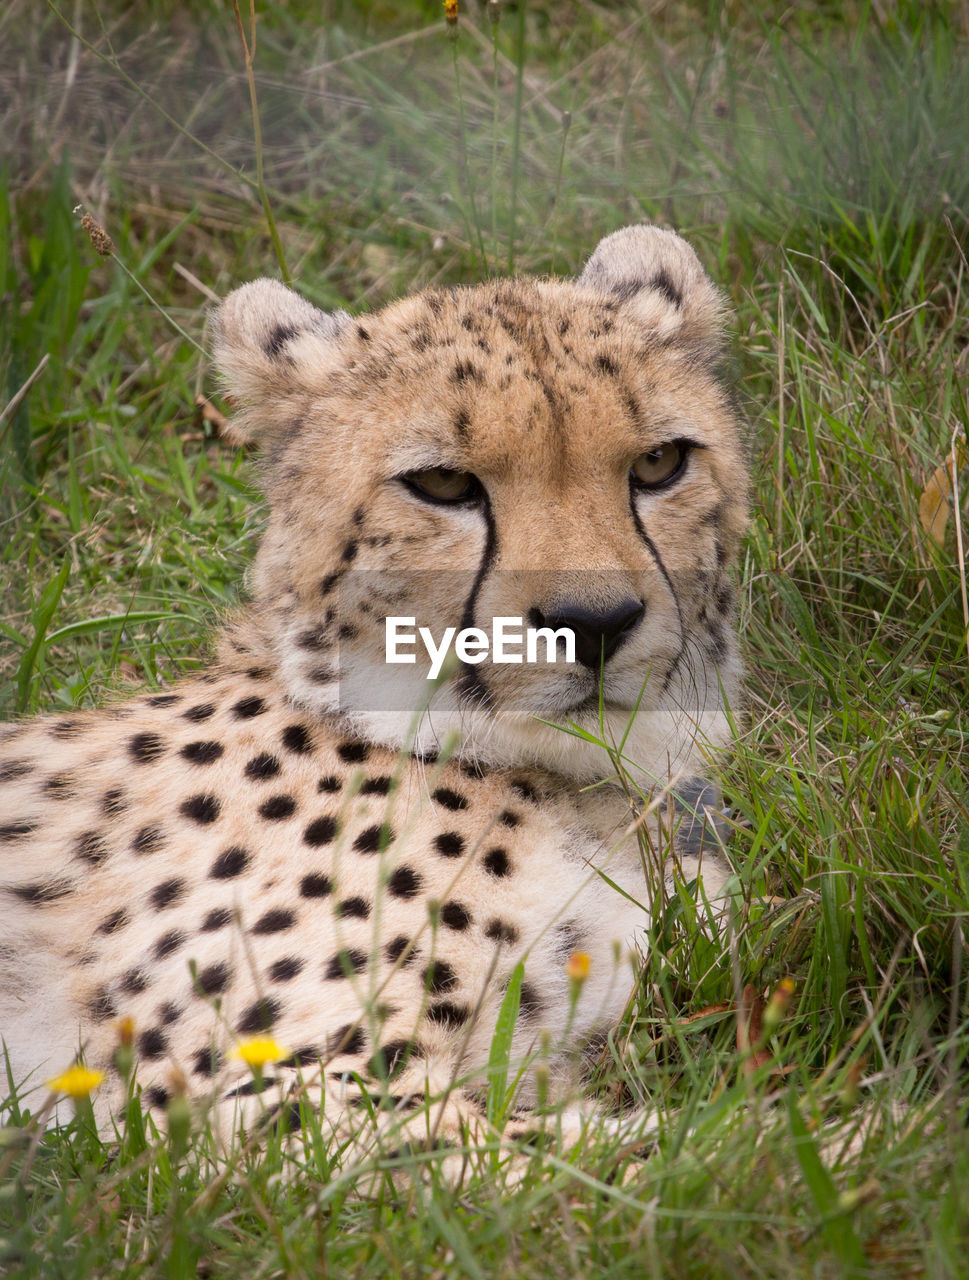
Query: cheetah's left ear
(659,279)
(268,341)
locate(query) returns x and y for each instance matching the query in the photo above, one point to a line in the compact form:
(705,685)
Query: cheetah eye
(660,466)
(440,484)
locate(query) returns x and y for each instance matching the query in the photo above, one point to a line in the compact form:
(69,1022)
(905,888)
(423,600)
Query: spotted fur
(281,844)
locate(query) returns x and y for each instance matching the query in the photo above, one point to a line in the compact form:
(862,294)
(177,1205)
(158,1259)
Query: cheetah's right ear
(660,281)
(267,340)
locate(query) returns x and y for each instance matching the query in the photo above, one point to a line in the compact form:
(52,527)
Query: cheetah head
(560,451)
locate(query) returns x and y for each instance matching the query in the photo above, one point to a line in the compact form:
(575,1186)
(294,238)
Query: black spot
(163,700)
(145,747)
(250,1087)
(13,769)
(348,632)
(526,790)
(531,1004)
(569,938)
(217,918)
(230,863)
(449,844)
(452,800)
(66,728)
(203,809)
(115,921)
(200,712)
(259,1016)
(134,982)
(320,831)
(315,885)
(328,785)
(248,708)
(346,962)
(91,847)
(313,639)
(662,282)
(60,786)
(286,969)
(167,894)
(329,582)
(509,819)
(605,364)
(15,830)
(499,931)
(396,948)
(439,977)
(349,553)
(277,807)
(462,421)
(296,738)
(275,921)
(456,916)
(278,336)
(348,1039)
(308,1056)
(168,943)
(152,1043)
(373,839)
(448,1014)
(391,1058)
(201,752)
(156,1096)
(208,1062)
(286,1117)
(404,883)
(101,1006)
(147,840)
(376,786)
(213,978)
(168,1013)
(38,895)
(353,908)
(320,675)
(113,803)
(465,371)
(353,752)
(497,862)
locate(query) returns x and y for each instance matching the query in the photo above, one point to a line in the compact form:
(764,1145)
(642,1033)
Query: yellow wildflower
(77,1081)
(257,1051)
(451,11)
(577,966)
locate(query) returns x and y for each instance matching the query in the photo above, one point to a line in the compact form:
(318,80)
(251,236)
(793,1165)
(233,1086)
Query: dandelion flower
(77,1081)
(577,966)
(257,1051)
(451,10)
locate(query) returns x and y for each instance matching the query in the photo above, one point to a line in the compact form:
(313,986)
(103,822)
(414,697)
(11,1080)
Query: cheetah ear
(659,279)
(267,342)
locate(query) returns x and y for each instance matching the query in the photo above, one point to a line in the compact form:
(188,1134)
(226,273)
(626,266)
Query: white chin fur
(664,741)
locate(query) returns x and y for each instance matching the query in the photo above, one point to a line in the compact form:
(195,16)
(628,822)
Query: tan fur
(199,859)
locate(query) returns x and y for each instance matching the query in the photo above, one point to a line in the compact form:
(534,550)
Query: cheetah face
(562,452)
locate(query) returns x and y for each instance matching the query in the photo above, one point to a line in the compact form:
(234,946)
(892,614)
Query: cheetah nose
(598,633)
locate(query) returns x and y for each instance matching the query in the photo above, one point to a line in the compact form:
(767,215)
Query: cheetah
(308,843)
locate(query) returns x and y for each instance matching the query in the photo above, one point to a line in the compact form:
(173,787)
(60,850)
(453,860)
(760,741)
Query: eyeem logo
(474,644)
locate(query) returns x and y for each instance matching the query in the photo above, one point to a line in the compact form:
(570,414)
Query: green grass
(817,162)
